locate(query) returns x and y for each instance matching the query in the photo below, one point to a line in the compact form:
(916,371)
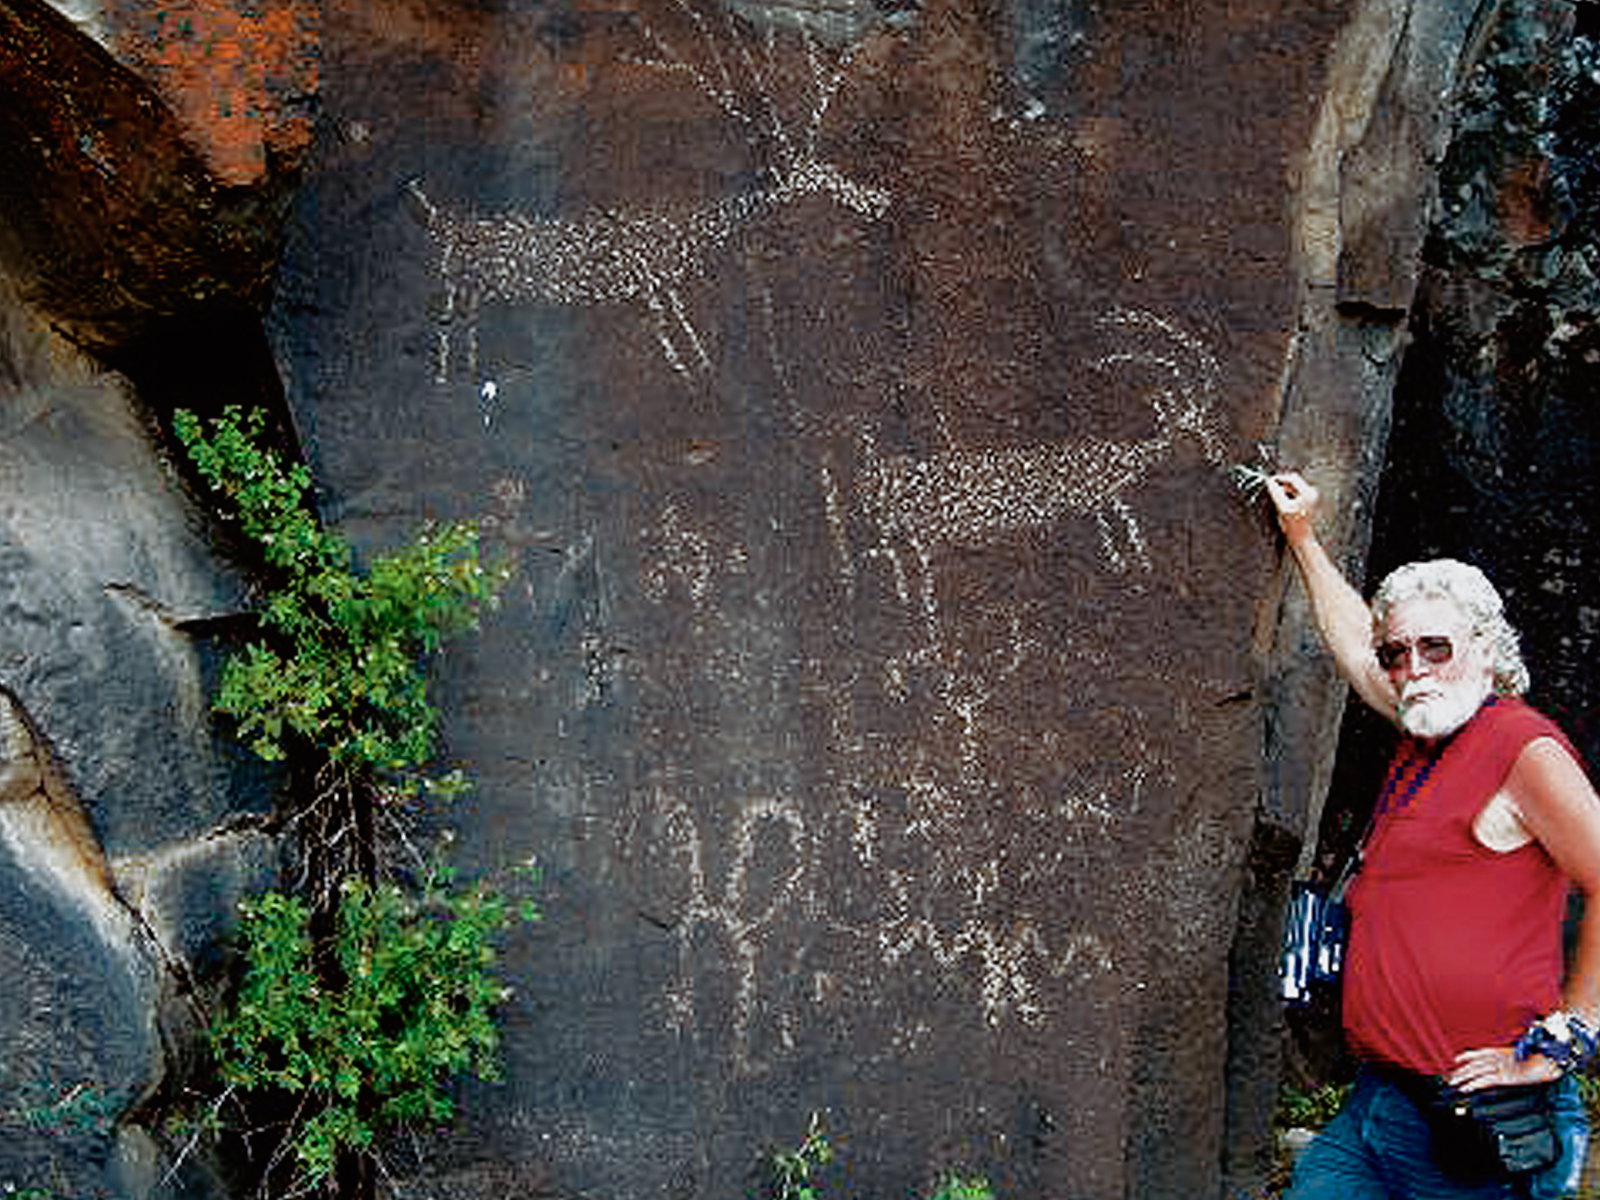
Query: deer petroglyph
(646,255)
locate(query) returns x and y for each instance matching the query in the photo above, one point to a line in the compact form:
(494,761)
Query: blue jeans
(1377,1148)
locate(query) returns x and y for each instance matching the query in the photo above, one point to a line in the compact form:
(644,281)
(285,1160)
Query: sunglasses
(1435,650)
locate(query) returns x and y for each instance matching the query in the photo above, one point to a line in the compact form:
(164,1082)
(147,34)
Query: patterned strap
(1564,1038)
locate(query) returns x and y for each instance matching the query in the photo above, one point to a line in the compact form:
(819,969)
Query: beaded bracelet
(1564,1038)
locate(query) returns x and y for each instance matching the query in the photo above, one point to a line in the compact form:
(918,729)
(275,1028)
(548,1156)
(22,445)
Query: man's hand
(1342,616)
(1497,1066)
(1296,502)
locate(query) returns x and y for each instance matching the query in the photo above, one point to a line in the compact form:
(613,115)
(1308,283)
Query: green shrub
(1299,1109)
(792,1170)
(413,1009)
(361,1000)
(954,1187)
(82,1108)
(339,665)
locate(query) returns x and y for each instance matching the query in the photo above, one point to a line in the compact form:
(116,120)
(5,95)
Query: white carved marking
(973,497)
(1005,956)
(646,255)
(732,910)
(683,559)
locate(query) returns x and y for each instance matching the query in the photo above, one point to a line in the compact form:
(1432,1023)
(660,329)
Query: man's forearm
(1341,614)
(1582,992)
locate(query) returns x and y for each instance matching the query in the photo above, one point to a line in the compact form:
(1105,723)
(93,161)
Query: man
(1454,969)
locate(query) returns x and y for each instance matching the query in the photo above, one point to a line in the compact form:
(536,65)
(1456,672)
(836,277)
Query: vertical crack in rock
(47,831)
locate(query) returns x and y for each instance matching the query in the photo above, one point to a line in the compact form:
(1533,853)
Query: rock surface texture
(1496,439)
(119,854)
(908,712)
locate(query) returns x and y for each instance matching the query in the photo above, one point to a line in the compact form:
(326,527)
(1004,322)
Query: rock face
(115,227)
(1495,442)
(894,686)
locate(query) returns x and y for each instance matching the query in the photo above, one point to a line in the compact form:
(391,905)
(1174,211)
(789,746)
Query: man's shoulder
(1512,712)
(1513,723)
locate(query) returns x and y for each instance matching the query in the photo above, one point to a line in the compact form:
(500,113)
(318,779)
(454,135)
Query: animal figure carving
(974,497)
(644,255)
(609,257)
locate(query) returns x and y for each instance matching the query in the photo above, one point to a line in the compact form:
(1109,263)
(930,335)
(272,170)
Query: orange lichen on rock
(240,76)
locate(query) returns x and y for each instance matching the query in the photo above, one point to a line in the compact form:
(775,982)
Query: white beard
(1438,712)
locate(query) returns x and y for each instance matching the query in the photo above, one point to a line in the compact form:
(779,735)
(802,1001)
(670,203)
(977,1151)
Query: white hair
(1470,590)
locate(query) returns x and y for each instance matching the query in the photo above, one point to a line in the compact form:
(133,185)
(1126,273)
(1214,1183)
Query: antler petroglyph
(647,255)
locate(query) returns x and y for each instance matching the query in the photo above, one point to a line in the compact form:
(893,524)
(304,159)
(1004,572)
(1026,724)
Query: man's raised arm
(1342,616)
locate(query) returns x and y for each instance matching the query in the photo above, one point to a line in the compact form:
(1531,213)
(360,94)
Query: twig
(1249,480)
(194,1140)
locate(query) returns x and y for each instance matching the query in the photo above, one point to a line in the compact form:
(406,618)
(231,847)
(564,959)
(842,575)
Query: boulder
(117,222)
(882,687)
(911,716)
(126,832)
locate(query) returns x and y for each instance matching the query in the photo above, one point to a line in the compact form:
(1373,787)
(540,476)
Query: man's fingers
(1288,492)
(1291,482)
(1497,1066)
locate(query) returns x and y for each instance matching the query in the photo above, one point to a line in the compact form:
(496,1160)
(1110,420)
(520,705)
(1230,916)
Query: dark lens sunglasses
(1435,650)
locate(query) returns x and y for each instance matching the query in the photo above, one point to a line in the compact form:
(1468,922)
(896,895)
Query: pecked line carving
(648,255)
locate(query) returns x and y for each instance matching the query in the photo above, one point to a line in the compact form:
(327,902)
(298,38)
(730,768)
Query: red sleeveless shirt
(1453,946)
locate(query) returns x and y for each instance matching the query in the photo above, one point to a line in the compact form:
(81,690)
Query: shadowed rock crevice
(114,893)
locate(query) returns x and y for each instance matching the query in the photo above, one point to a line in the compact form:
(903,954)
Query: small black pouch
(1498,1133)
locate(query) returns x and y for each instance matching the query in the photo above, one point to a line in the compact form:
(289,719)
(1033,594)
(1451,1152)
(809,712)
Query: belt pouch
(1497,1133)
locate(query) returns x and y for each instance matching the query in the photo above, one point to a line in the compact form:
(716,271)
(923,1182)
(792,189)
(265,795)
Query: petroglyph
(973,497)
(732,911)
(1009,958)
(1099,804)
(683,561)
(981,917)
(648,255)
(989,916)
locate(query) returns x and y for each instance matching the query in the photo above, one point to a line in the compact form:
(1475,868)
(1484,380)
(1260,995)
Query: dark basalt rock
(908,712)
(1494,450)
(112,218)
(104,924)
